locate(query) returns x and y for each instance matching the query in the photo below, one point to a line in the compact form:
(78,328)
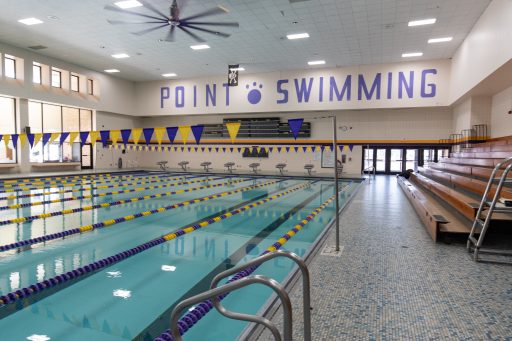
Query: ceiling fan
(187,24)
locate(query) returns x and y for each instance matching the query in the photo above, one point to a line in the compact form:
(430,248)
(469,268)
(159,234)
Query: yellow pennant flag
(23,140)
(309,150)
(93,135)
(72,137)
(37,138)
(233,128)
(184,132)
(7,138)
(54,136)
(159,134)
(114,136)
(136,133)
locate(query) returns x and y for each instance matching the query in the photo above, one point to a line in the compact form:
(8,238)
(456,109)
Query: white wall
(501,120)
(485,49)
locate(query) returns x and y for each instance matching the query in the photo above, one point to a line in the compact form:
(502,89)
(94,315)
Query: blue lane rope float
(88,228)
(113,203)
(128,183)
(81,271)
(56,180)
(89,196)
(74,183)
(201,309)
(101,175)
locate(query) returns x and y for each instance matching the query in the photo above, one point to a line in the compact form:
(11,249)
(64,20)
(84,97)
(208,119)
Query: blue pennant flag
(287,149)
(46,138)
(197,131)
(125,135)
(171,133)
(83,137)
(30,138)
(105,135)
(63,137)
(148,134)
(14,140)
(295,126)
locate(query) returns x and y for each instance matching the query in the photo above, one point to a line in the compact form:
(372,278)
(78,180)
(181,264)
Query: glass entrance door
(87,156)
(380,160)
(396,160)
(411,159)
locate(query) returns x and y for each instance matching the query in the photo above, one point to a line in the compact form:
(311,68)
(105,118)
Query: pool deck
(392,282)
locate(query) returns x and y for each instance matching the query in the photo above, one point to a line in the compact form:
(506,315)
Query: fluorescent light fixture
(412,54)
(112,70)
(120,55)
(169,75)
(30,21)
(297,36)
(128,4)
(238,69)
(200,47)
(422,22)
(440,40)
(316,62)
(168,268)
(122,293)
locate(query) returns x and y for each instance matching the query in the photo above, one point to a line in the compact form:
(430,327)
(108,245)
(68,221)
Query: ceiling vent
(38,47)
(294,1)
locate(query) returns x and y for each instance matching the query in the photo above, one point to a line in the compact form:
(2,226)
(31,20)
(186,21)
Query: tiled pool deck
(393,283)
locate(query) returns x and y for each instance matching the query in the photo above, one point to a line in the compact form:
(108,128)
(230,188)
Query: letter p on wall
(165,93)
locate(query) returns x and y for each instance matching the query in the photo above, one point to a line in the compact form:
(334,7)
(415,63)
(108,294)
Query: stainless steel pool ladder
(475,244)
(371,172)
(215,292)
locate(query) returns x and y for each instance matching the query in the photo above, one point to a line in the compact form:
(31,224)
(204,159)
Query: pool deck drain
(330,251)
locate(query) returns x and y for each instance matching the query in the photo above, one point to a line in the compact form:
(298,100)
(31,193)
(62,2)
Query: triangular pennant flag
(46,138)
(233,128)
(94,137)
(287,149)
(159,134)
(296,149)
(171,133)
(72,137)
(217,149)
(136,133)
(271,149)
(182,149)
(202,149)
(184,132)
(340,147)
(63,137)
(14,140)
(23,140)
(279,149)
(304,149)
(197,131)
(313,149)
(148,133)
(83,137)
(37,138)
(350,147)
(6,138)
(53,137)
(266,150)
(322,148)
(295,126)
(239,149)
(223,149)
(209,149)
(125,135)
(231,149)
(105,135)
(114,136)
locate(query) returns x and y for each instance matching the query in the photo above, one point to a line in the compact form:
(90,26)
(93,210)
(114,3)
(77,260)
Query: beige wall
(501,120)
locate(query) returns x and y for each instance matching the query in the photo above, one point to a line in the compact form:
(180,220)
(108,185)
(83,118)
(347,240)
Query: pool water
(133,298)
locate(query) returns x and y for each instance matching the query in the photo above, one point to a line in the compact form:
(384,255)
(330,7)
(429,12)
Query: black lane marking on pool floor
(9,309)
(162,322)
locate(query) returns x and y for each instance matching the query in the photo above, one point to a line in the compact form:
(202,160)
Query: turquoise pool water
(132,298)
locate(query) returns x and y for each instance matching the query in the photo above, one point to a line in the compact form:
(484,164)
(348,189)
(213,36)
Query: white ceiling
(343,32)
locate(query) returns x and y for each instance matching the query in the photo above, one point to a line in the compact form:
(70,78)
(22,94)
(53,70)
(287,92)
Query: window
(35,122)
(10,66)
(36,73)
(75,83)
(7,126)
(90,85)
(56,78)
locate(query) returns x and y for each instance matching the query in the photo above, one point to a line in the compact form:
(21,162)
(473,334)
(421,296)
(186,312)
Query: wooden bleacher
(447,194)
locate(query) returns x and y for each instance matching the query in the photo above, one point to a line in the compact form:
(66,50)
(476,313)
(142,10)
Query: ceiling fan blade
(171,33)
(207,23)
(120,22)
(120,10)
(139,33)
(213,11)
(153,9)
(193,35)
(217,33)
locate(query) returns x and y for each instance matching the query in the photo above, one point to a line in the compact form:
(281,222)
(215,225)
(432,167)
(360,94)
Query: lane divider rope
(56,180)
(63,177)
(63,191)
(110,204)
(200,310)
(89,196)
(89,228)
(81,271)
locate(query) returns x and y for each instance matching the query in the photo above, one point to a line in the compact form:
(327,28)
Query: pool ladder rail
(474,244)
(279,289)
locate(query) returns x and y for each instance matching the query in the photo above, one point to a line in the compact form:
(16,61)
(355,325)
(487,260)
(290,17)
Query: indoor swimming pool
(107,256)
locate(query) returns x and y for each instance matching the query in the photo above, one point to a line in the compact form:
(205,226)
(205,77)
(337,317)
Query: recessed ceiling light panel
(112,70)
(30,21)
(316,62)
(167,75)
(120,55)
(297,36)
(422,22)
(412,54)
(128,4)
(440,40)
(200,47)
(238,69)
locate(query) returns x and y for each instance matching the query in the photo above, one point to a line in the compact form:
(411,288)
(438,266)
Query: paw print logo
(254,95)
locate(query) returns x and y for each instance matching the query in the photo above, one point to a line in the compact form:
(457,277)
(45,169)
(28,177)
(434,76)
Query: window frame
(90,84)
(72,76)
(40,73)
(13,59)
(15,106)
(60,78)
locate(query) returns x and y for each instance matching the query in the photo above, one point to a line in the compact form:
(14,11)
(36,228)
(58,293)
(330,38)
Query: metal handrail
(371,168)
(306,296)
(243,282)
